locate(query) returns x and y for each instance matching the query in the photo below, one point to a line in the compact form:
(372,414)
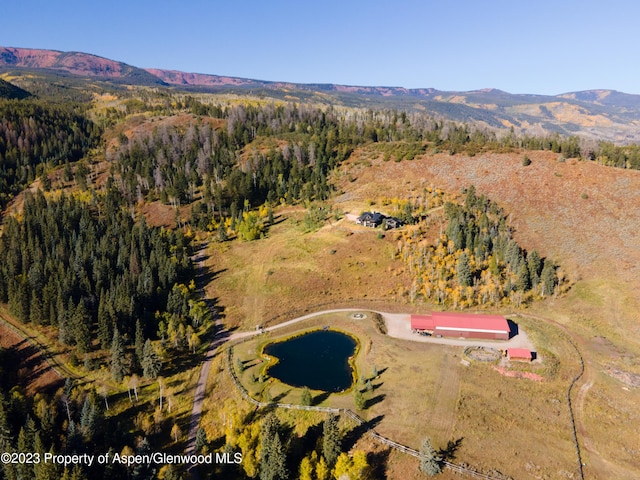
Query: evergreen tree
(139,343)
(88,418)
(80,328)
(534,264)
(118,362)
(151,363)
(359,399)
(523,282)
(105,335)
(201,439)
(464,270)
(331,440)
(24,469)
(74,439)
(305,398)
(429,459)
(272,454)
(548,278)
(275,465)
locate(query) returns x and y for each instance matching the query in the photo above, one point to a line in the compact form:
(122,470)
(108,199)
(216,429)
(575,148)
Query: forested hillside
(475,261)
(9,91)
(85,266)
(36,136)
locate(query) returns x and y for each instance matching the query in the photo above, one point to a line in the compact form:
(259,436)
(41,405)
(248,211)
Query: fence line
(47,356)
(571,385)
(571,414)
(349,413)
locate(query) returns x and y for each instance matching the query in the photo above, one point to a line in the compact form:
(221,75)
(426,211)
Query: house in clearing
(374,219)
(466,325)
(519,354)
(370,219)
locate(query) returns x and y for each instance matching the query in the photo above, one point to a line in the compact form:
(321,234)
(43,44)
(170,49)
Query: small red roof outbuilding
(521,354)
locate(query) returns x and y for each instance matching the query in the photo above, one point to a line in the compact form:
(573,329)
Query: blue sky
(520,46)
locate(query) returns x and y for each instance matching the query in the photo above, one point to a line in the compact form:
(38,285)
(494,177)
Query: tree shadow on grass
(370,402)
(378,463)
(357,432)
(280,396)
(321,397)
(449,452)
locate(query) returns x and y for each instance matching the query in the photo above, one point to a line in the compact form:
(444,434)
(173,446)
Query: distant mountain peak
(76,63)
(598,113)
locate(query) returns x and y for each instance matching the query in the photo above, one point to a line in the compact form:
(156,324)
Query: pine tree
(118,365)
(429,459)
(88,418)
(272,454)
(305,398)
(80,325)
(548,278)
(201,439)
(74,439)
(151,363)
(331,440)
(523,282)
(36,314)
(277,463)
(105,334)
(464,270)
(359,399)
(534,264)
(139,343)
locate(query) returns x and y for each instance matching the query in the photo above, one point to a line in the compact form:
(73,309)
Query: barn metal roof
(469,322)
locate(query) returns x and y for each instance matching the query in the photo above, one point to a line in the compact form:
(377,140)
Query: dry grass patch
(291,271)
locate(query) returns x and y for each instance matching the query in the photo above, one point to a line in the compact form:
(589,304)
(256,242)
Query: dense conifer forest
(36,136)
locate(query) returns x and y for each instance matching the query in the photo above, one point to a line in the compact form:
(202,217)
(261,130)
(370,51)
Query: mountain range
(599,114)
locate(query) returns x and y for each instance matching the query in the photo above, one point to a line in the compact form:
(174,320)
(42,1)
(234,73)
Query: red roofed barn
(467,325)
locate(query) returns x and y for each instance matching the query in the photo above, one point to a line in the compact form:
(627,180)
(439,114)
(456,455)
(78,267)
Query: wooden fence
(353,416)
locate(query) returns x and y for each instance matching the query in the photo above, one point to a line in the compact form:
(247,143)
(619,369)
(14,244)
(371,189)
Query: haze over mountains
(601,114)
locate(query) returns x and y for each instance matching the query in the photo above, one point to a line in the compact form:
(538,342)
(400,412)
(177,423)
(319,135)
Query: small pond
(318,360)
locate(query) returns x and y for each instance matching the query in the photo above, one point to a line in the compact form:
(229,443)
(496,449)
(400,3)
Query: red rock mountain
(601,114)
(76,63)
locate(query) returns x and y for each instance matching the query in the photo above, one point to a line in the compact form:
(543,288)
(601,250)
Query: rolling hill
(596,114)
(10,91)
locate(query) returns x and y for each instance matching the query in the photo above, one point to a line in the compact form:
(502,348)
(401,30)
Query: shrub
(526,161)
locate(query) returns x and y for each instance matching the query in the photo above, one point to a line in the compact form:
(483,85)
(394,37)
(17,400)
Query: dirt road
(398,326)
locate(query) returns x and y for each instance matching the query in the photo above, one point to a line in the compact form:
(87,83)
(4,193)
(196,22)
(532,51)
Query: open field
(496,422)
(290,270)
